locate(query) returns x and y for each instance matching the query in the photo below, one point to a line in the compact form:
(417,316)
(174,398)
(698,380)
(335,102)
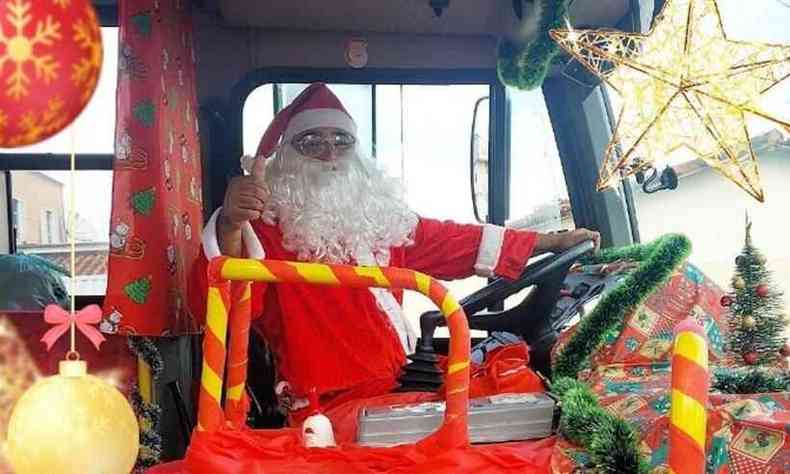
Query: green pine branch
(750,380)
(613,444)
(757,322)
(659,260)
(526,66)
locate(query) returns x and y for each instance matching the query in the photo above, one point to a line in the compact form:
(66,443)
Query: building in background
(39,227)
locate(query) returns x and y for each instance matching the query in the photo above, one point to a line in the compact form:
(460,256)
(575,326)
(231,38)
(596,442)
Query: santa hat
(315,107)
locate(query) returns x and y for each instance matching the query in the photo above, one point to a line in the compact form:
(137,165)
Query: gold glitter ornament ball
(72,423)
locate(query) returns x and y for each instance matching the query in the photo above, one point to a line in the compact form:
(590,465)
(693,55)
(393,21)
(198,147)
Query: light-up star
(684,87)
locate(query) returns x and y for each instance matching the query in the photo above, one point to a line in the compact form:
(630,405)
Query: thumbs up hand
(245,196)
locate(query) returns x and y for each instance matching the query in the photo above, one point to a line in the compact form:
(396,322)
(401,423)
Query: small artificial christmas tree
(757,321)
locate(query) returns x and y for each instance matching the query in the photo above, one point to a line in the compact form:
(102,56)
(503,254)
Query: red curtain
(156,217)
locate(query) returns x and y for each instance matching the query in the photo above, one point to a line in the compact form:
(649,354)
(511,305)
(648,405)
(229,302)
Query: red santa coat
(333,338)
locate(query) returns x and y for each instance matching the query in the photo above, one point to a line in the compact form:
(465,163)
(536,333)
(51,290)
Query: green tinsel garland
(750,380)
(149,414)
(659,260)
(526,66)
(612,442)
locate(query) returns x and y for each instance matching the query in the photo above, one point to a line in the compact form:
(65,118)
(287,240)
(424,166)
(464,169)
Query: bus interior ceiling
(235,37)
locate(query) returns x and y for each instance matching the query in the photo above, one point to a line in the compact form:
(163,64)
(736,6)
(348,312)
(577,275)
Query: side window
(39,190)
(18,218)
(711,210)
(422,137)
(538,191)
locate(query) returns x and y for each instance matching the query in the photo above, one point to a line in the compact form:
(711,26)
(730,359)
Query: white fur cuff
(490,250)
(211,244)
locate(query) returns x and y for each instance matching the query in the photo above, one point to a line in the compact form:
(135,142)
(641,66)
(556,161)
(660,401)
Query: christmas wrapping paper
(157,214)
(631,374)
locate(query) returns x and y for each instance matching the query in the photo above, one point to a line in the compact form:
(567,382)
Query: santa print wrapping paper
(156,218)
(747,434)
(24,359)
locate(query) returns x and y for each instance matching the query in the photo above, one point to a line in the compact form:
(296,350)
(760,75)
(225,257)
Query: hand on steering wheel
(563,241)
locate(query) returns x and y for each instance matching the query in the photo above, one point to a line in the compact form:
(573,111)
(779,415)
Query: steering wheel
(531,318)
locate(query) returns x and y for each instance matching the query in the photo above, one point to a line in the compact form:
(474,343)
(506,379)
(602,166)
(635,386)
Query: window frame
(223,159)
(107,13)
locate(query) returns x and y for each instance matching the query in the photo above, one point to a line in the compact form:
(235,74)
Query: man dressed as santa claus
(311,196)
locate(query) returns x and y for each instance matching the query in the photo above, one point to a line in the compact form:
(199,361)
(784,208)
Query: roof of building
(90,259)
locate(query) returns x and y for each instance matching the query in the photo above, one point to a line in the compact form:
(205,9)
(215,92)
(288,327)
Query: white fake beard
(344,211)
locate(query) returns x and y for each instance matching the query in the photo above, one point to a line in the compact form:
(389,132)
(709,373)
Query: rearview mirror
(478,160)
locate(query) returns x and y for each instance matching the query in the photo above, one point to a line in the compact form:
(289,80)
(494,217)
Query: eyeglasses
(316,145)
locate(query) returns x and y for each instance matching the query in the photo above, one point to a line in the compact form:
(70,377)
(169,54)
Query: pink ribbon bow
(63,319)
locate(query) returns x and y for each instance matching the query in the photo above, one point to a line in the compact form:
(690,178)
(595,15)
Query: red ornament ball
(762,291)
(726,301)
(51,60)
(750,358)
(785,350)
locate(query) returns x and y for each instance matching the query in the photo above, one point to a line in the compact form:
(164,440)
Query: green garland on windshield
(525,66)
(660,259)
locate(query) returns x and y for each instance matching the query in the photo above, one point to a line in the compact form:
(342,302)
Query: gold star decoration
(684,87)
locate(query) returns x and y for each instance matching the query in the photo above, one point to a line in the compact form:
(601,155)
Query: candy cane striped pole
(453,432)
(210,415)
(236,406)
(690,383)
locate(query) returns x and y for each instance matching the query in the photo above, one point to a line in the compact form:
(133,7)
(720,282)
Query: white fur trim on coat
(211,243)
(490,250)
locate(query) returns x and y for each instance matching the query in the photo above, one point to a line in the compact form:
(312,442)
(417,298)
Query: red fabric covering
(157,207)
(275,451)
(281,451)
(505,370)
(318,334)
